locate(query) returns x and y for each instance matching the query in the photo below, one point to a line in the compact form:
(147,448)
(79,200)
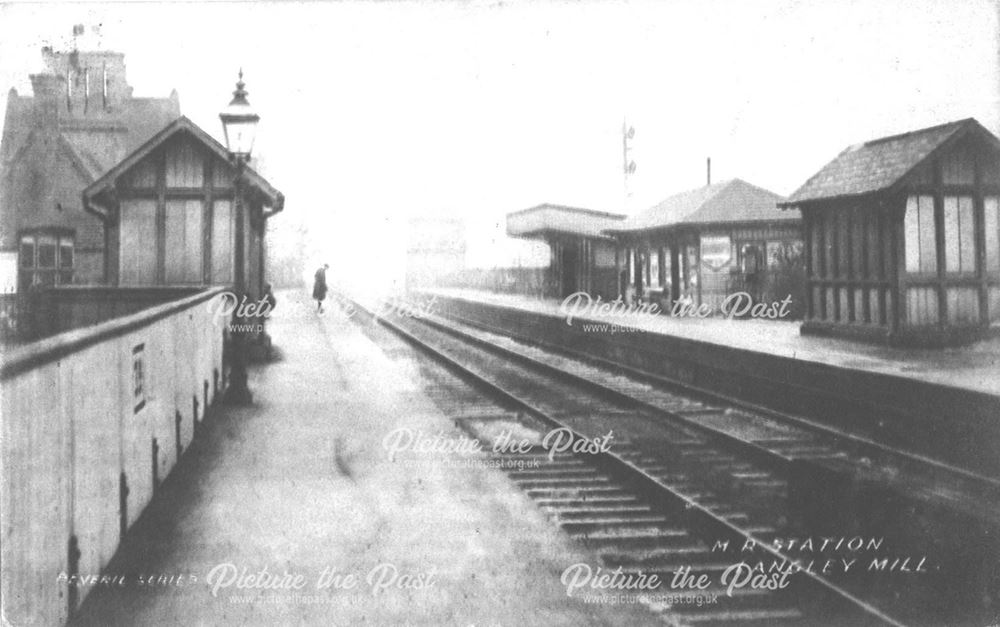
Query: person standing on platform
(269,299)
(319,287)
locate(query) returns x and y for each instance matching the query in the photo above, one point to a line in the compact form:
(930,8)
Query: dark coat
(319,284)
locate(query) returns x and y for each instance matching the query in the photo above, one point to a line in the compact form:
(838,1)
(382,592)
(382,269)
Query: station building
(80,120)
(707,243)
(902,238)
(582,254)
(173,216)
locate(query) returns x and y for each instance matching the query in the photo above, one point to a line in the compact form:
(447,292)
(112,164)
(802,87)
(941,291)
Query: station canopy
(548,220)
(733,201)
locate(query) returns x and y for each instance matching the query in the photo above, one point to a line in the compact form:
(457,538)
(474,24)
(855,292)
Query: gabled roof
(880,164)
(731,201)
(547,218)
(99,141)
(92,142)
(273,198)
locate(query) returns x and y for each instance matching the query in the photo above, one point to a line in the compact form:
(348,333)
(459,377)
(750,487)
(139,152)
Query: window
(65,260)
(991,222)
(782,254)
(27,251)
(691,267)
(959,235)
(65,253)
(46,252)
(667,268)
(654,268)
(921,251)
(45,259)
(752,259)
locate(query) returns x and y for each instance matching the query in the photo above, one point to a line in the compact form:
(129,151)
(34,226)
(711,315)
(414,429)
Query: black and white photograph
(500,313)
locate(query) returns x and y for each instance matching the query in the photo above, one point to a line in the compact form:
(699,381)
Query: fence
(93,420)
(537,282)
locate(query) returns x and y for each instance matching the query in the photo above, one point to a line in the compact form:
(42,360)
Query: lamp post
(239,123)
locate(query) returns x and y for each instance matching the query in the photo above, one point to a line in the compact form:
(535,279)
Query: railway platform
(940,404)
(976,367)
(299,488)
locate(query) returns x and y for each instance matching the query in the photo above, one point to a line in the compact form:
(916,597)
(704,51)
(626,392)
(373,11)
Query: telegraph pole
(628,165)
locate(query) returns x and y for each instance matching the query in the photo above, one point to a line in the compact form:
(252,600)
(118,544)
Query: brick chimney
(97,79)
(49,97)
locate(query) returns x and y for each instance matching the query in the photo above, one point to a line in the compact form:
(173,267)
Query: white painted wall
(70,428)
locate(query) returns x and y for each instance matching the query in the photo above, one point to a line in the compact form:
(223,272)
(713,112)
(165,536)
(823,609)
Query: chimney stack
(708,167)
(48,93)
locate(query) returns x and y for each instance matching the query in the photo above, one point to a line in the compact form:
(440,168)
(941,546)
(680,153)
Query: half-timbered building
(902,237)
(178,212)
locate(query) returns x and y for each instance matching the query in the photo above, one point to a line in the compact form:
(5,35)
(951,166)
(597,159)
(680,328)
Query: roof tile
(733,200)
(877,164)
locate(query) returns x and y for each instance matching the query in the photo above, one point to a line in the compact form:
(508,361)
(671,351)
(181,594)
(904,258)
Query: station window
(959,235)
(667,267)
(45,259)
(783,254)
(46,252)
(919,228)
(644,267)
(991,223)
(27,252)
(690,280)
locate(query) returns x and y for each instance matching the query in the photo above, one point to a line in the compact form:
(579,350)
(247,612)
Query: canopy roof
(881,164)
(545,219)
(731,201)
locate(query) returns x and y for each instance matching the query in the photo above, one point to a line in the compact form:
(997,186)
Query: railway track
(795,437)
(837,481)
(666,495)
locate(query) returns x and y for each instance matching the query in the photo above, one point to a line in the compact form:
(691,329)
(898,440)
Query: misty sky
(373,112)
